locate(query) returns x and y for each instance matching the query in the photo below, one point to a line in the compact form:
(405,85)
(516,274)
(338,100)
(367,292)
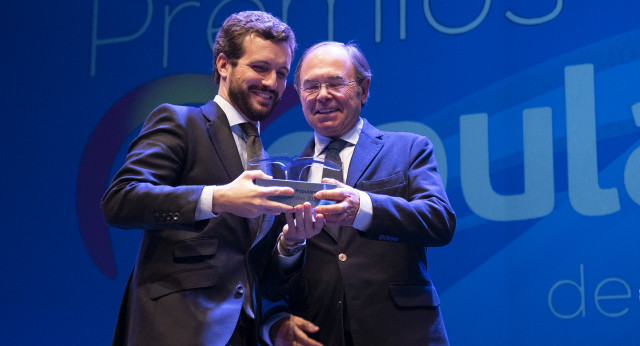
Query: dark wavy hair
(231,35)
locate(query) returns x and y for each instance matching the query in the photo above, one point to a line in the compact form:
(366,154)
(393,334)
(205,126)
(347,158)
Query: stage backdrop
(533,108)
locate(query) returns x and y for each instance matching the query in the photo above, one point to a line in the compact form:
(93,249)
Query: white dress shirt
(235,118)
(363,217)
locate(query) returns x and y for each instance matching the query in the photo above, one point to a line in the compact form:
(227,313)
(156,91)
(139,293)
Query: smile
(328,110)
(263,94)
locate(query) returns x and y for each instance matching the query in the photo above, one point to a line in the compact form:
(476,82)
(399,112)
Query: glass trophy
(294,171)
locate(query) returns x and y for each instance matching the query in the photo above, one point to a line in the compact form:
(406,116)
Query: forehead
(328,61)
(258,49)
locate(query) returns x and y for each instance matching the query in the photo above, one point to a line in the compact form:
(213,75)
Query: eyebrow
(264,62)
(329,77)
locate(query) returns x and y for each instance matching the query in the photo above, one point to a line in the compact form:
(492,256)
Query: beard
(241,98)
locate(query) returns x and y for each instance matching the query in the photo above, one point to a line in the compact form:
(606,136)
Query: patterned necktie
(254,146)
(333,154)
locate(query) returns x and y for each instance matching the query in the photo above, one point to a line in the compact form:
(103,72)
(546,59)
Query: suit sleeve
(276,278)
(410,203)
(146,192)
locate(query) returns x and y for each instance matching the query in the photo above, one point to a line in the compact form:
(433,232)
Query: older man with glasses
(365,279)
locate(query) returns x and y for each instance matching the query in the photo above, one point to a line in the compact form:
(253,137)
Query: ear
(365,90)
(223,65)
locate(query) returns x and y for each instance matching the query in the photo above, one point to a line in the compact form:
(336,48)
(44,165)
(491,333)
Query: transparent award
(294,171)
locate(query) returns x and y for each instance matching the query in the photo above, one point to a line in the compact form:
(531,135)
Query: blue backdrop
(533,106)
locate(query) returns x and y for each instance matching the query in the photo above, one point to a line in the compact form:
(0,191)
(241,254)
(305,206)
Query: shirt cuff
(365,213)
(205,204)
(287,262)
(266,326)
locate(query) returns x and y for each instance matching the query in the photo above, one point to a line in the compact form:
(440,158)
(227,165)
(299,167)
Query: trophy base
(303,191)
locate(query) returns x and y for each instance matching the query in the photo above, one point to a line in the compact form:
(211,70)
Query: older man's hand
(344,212)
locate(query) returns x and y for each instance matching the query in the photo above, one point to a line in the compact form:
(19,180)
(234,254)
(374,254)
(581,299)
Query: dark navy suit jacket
(190,277)
(380,274)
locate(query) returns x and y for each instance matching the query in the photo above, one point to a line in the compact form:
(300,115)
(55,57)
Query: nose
(323,93)
(270,80)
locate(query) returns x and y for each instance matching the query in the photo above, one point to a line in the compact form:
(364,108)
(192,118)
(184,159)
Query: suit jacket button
(239,291)
(342,257)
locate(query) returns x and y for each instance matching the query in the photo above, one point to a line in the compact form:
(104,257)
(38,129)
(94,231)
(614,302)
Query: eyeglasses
(311,88)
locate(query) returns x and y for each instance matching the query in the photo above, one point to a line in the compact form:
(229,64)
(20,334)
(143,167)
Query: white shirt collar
(351,137)
(233,115)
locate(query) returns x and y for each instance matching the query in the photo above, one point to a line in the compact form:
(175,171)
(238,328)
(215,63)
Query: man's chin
(261,111)
(257,117)
(259,114)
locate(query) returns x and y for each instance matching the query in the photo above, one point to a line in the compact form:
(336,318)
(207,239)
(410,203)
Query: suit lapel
(309,149)
(222,139)
(369,145)
(225,147)
(266,221)
(299,172)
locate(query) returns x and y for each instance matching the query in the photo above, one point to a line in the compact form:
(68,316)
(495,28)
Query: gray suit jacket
(190,277)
